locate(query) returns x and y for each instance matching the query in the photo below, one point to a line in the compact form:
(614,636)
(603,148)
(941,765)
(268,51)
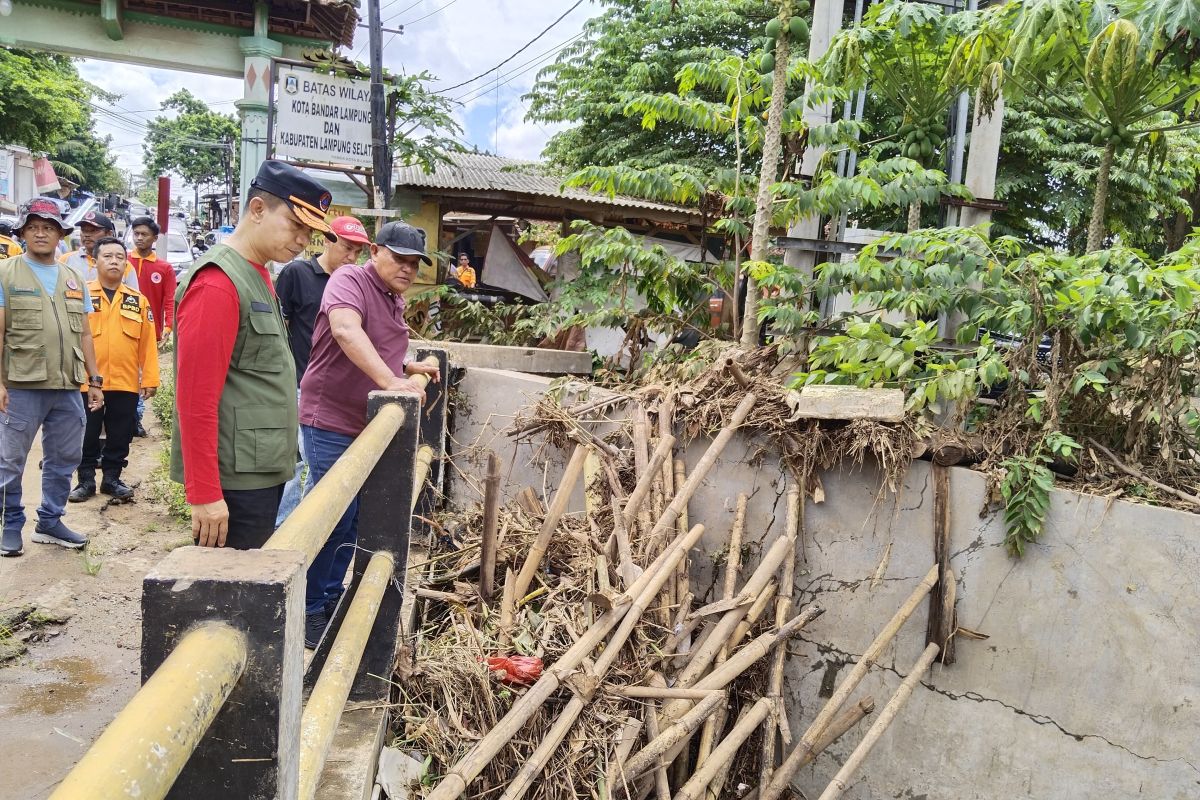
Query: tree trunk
(914,215)
(772,148)
(1096,229)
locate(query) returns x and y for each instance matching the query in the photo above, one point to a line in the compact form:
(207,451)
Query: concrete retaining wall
(1088,687)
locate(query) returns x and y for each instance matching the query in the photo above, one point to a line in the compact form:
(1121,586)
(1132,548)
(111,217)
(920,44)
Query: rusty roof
(319,20)
(487,173)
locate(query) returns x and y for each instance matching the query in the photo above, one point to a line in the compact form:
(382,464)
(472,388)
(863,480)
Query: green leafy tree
(903,51)
(195,143)
(85,158)
(424,130)
(1133,96)
(635,49)
(41,99)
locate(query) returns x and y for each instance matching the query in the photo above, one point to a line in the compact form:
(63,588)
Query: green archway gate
(230,39)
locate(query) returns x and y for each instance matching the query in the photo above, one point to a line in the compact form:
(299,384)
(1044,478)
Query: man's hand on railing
(421,368)
(210,524)
(405,386)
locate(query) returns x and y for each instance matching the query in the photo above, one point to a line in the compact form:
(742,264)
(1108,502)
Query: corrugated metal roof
(480,172)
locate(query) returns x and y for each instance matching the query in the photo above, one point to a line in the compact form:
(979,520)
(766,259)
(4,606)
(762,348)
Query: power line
(397,13)
(527,45)
(430,14)
(474,94)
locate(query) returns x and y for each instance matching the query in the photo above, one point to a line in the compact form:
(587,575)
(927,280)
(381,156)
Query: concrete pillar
(255,103)
(827,21)
(434,416)
(982,159)
(252,748)
(384,524)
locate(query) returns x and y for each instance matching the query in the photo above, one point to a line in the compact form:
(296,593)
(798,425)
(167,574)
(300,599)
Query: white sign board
(322,118)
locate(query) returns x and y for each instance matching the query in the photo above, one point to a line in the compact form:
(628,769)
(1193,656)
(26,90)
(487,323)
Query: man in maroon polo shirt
(359,344)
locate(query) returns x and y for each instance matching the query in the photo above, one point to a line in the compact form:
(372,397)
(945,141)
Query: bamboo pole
(783,775)
(733,564)
(592,474)
(838,784)
(739,662)
(508,604)
(725,674)
(662,786)
(646,478)
(702,657)
(660,693)
(645,759)
(558,507)
(459,776)
(641,468)
(533,766)
(491,518)
(783,607)
(725,751)
(753,615)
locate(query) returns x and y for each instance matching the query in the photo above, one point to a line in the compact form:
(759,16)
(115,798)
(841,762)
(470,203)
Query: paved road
(55,700)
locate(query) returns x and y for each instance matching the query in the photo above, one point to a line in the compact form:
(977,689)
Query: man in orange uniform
(127,352)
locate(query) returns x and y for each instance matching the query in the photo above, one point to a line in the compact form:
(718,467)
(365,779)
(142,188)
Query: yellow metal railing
(324,708)
(142,751)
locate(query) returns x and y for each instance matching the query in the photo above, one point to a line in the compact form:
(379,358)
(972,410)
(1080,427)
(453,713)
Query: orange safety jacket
(126,343)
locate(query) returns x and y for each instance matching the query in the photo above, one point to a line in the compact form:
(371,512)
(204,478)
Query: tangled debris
(597,672)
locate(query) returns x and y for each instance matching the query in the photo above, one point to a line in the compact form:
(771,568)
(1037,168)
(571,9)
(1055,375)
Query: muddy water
(70,681)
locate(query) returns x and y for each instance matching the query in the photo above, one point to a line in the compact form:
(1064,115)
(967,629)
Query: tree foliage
(41,98)
(194,142)
(633,49)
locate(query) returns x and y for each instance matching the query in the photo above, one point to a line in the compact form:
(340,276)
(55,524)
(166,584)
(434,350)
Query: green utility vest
(257,417)
(43,347)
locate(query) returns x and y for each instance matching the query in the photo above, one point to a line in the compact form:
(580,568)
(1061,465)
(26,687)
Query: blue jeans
(141,407)
(60,415)
(327,570)
(295,489)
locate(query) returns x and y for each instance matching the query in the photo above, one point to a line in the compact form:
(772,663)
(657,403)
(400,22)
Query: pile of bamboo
(643,691)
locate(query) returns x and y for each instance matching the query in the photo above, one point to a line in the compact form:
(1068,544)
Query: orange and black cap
(307,198)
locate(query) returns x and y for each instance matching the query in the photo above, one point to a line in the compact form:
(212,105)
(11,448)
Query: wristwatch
(96,381)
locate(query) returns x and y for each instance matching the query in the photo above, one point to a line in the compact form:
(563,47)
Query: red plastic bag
(515,669)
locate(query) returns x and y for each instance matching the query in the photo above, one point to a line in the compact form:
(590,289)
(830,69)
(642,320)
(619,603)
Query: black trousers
(251,516)
(117,419)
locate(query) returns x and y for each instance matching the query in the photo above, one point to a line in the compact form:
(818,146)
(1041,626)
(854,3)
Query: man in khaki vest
(234,446)
(48,354)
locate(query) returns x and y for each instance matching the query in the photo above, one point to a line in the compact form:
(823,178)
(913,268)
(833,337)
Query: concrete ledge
(349,772)
(519,359)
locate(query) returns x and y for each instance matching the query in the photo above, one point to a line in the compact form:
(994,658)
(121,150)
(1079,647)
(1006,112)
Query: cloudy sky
(453,39)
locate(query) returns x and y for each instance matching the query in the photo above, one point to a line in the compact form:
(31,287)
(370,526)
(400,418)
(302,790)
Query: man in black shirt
(300,286)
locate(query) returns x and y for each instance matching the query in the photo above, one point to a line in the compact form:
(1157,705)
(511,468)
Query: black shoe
(82,492)
(314,628)
(117,488)
(331,606)
(141,430)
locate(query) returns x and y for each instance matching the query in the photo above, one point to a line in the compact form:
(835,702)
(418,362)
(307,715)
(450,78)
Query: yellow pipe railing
(324,708)
(142,751)
(308,527)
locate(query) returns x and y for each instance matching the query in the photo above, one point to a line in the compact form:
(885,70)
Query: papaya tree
(903,52)
(1133,97)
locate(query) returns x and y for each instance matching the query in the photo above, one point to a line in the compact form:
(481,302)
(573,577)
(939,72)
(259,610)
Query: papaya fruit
(798,28)
(767,64)
(803,6)
(773,28)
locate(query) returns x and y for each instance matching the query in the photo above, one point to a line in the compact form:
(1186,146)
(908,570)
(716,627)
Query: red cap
(350,229)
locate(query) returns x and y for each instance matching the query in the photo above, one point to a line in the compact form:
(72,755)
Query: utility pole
(380,157)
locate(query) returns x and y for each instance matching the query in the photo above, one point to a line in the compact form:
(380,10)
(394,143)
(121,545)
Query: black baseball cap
(307,198)
(44,208)
(403,239)
(147,222)
(98,220)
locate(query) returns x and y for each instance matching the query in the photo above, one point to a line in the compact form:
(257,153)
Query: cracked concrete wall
(1089,685)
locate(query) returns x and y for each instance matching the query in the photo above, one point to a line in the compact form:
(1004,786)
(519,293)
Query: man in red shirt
(234,445)
(155,279)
